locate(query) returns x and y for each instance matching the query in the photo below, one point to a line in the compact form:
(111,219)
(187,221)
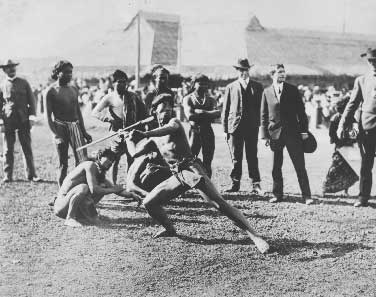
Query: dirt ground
(327,249)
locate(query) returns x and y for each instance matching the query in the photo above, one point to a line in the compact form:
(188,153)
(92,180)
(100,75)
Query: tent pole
(137,74)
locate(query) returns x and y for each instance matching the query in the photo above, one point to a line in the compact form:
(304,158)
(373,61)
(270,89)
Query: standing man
(67,124)
(115,114)
(160,77)
(285,123)
(201,110)
(133,110)
(17,112)
(241,121)
(363,95)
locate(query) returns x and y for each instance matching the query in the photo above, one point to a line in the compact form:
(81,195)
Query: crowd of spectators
(319,102)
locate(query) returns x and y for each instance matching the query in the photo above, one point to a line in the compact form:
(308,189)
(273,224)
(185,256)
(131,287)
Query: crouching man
(148,169)
(187,173)
(84,187)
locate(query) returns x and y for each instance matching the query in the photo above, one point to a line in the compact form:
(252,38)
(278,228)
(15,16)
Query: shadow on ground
(321,250)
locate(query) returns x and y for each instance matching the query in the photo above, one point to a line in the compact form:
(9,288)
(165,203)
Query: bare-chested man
(201,110)
(111,109)
(83,188)
(187,173)
(67,124)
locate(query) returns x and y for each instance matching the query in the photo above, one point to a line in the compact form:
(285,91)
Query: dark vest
(249,111)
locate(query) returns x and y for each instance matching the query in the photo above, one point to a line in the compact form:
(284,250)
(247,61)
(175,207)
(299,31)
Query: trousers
(9,139)
(293,143)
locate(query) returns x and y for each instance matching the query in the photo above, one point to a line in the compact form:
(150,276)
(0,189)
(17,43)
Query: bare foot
(261,244)
(165,233)
(72,223)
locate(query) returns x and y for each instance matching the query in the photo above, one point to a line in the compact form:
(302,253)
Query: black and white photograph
(170,148)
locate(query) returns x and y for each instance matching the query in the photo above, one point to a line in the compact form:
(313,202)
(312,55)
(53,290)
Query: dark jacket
(17,101)
(233,105)
(288,113)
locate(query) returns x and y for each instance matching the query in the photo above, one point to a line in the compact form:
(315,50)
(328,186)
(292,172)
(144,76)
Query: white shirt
(244,83)
(278,87)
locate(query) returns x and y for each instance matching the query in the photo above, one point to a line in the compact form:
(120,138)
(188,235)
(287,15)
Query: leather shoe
(7,180)
(35,179)
(309,201)
(234,188)
(361,203)
(256,189)
(276,199)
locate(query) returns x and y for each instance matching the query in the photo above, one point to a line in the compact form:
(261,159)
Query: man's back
(76,176)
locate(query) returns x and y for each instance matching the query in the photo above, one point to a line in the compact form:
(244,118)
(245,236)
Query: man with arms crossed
(67,124)
(84,187)
(187,172)
(201,110)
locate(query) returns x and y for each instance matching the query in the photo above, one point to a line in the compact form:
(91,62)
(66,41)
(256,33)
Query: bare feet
(72,223)
(261,244)
(165,233)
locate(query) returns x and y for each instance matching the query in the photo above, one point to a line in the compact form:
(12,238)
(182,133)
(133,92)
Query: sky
(34,28)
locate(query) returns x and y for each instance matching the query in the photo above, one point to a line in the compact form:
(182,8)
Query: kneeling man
(84,187)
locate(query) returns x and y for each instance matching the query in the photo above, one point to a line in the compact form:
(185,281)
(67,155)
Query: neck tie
(279,90)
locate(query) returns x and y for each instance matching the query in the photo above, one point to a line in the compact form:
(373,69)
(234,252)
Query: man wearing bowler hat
(285,123)
(241,121)
(17,112)
(363,95)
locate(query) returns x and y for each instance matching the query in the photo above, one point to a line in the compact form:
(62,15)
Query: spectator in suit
(17,105)
(241,121)
(363,95)
(284,123)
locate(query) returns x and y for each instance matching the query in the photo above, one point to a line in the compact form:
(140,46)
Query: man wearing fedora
(17,106)
(241,121)
(285,123)
(363,95)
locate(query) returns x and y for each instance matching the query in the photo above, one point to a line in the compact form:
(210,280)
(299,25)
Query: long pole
(344,17)
(138,51)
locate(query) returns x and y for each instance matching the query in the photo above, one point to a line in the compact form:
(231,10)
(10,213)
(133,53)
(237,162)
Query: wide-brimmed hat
(309,144)
(8,63)
(242,64)
(369,54)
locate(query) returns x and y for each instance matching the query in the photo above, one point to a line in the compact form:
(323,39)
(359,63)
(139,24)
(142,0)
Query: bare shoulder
(88,165)
(51,91)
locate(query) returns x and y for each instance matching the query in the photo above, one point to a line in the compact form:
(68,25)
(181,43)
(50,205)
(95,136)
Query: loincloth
(71,132)
(189,172)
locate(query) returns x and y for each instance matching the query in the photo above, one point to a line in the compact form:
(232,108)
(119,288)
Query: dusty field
(323,250)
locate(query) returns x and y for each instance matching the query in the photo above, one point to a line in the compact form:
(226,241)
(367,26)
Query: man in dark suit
(284,123)
(17,111)
(241,121)
(363,95)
